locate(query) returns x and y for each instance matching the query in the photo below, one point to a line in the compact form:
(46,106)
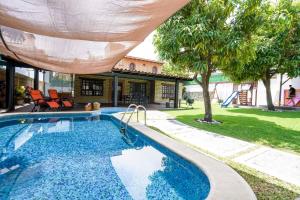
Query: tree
(278,47)
(206,36)
(170,69)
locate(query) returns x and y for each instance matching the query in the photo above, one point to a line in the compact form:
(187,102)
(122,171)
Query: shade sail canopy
(76,36)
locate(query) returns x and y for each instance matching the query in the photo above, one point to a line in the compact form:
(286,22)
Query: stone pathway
(282,165)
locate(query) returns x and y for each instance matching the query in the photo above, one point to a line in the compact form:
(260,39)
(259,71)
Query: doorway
(138,93)
(120,91)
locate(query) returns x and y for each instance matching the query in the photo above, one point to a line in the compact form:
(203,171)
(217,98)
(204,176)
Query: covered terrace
(78,37)
(115,75)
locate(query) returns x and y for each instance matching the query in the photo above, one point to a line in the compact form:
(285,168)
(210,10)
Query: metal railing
(124,114)
(136,109)
(145,113)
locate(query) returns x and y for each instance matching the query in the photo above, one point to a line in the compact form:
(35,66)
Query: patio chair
(63,102)
(40,101)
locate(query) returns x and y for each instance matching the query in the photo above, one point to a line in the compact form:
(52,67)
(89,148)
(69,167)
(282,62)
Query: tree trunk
(206,97)
(267,83)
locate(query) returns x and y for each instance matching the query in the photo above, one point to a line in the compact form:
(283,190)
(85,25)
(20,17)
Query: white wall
(261,92)
(275,85)
(223,89)
(295,82)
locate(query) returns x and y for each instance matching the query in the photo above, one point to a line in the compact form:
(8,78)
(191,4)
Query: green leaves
(215,32)
(277,46)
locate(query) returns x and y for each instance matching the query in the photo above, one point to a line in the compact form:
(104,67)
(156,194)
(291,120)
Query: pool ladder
(136,109)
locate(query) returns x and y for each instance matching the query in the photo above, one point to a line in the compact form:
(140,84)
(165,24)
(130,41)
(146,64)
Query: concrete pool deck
(282,165)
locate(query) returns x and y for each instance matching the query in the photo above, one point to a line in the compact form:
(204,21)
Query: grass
(279,130)
(264,186)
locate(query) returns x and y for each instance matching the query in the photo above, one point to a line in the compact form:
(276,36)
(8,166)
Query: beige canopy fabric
(78,36)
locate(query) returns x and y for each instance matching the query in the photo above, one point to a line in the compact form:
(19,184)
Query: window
(63,83)
(131,66)
(91,87)
(168,91)
(154,70)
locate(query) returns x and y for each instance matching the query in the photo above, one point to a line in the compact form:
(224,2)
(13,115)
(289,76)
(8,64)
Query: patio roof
(149,75)
(145,59)
(75,36)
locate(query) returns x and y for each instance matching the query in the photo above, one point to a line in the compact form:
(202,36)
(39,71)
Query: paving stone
(283,165)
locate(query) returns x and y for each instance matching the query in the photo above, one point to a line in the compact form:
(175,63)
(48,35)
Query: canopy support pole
(36,79)
(10,86)
(176,101)
(115,91)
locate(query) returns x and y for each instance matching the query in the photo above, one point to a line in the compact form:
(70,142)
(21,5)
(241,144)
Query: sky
(145,49)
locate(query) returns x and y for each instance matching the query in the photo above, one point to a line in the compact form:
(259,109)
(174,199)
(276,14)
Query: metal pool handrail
(131,105)
(145,113)
(137,107)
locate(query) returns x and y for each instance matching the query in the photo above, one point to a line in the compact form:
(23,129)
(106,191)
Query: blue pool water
(86,157)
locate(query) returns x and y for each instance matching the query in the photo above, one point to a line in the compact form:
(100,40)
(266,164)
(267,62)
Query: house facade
(132,80)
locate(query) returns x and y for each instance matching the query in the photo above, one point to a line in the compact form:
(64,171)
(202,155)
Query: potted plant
(20,95)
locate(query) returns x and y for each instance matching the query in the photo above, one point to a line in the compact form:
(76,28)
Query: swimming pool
(86,157)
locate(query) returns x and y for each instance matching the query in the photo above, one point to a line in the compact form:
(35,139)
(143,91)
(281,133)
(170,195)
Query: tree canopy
(209,35)
(170,69)
(278,46)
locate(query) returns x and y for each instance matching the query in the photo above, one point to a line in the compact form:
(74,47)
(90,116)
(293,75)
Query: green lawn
(276,129)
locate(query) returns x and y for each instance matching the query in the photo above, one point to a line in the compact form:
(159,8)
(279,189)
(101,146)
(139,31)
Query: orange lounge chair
(39,101)
(54,97)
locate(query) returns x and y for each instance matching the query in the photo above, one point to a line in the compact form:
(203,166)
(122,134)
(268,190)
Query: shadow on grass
(284,114)
(249,129)
(266,190)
